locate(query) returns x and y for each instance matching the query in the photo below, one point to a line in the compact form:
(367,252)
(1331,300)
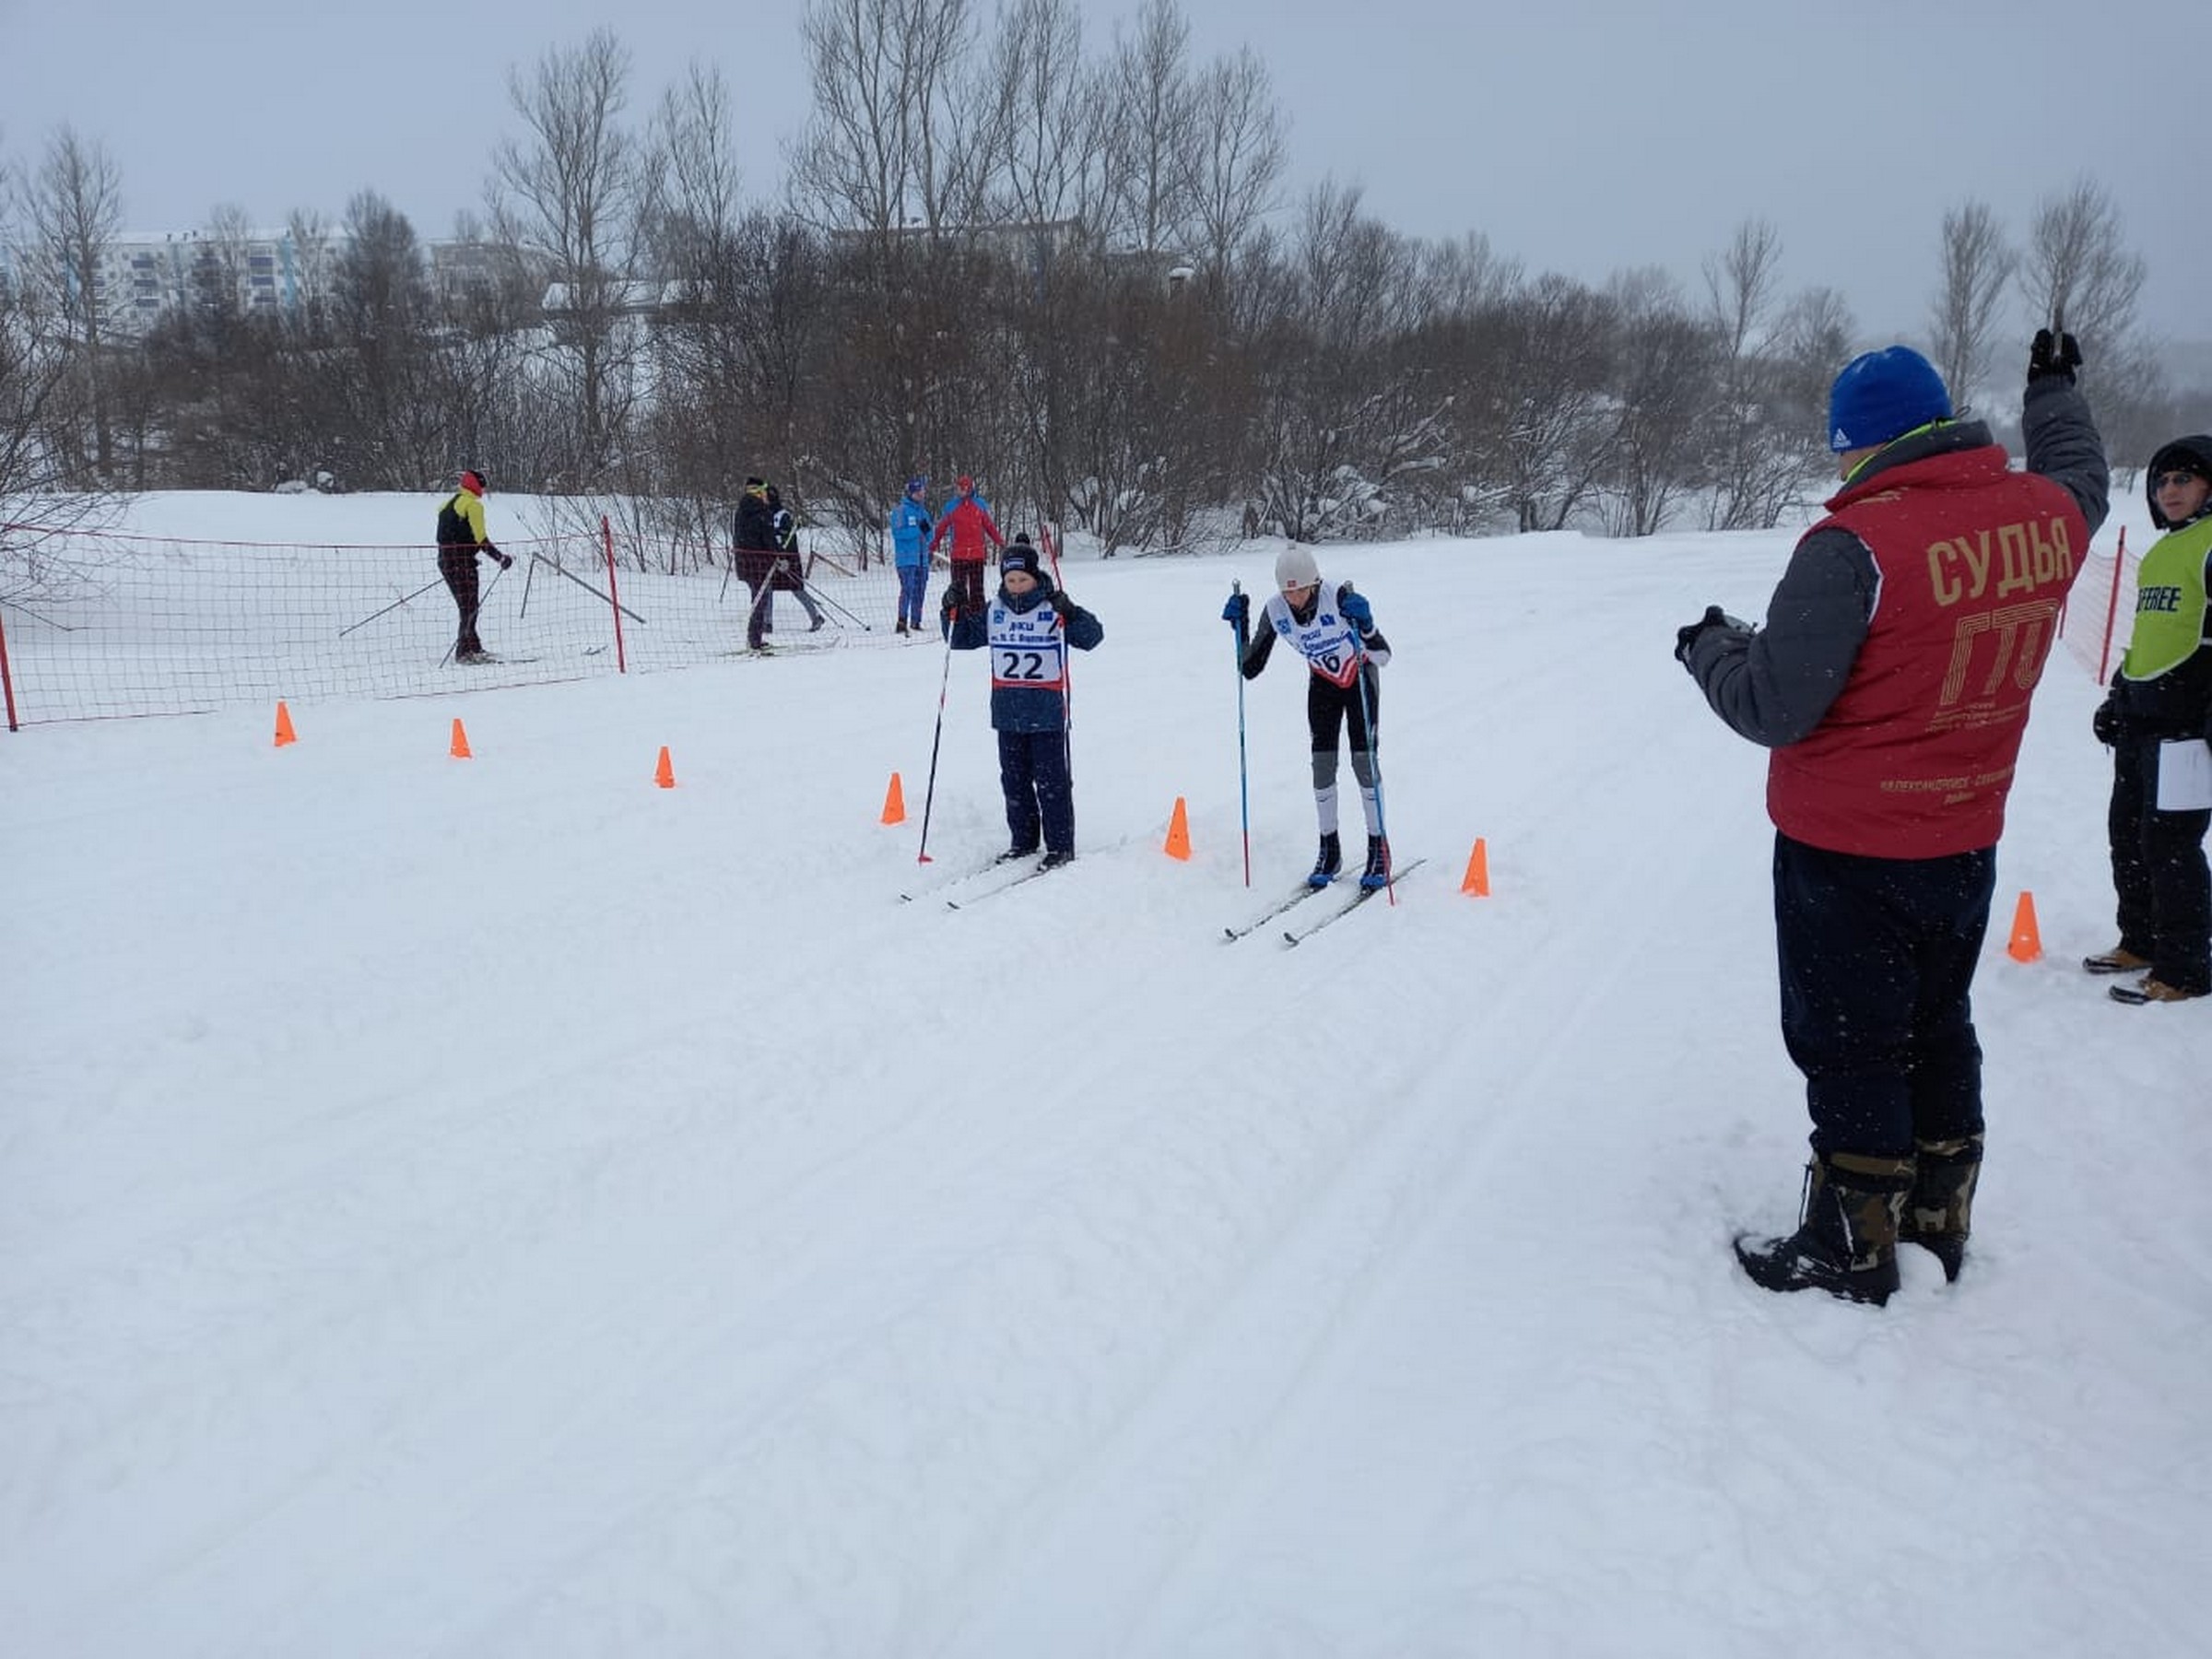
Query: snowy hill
(500,1207)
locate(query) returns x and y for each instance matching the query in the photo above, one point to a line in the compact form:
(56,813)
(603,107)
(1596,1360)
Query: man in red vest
(1891,683)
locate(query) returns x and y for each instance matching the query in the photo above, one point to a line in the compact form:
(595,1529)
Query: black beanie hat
(1020,556)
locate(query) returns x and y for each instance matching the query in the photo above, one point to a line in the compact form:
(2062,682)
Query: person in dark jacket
(1891,686)
(789,578)
(2157,719)
(460,538)
(757,555)
(1334,629)
(1030,628)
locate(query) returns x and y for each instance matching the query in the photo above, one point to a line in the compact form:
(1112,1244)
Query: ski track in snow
(503,1208)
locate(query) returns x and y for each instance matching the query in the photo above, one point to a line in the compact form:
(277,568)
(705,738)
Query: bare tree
(35,369)
(1740,292)
(1148,142)
(315,254)
(1047,125)
(692,170)
(1978,263)
(1235,160)
(73,208)
(2078,265)
(882,149)
(572,195)
(1664,361)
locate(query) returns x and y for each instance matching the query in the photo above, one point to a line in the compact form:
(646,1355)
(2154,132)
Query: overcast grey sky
(1580,136)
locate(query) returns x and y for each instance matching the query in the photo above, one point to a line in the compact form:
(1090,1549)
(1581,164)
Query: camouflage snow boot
(1846,1237)
(1941,1208)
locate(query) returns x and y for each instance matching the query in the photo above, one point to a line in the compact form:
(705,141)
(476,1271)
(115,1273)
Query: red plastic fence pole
(614,599)
(2111,611)
(7,680)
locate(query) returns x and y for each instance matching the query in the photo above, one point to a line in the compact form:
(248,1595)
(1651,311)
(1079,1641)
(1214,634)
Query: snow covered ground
(500,1207)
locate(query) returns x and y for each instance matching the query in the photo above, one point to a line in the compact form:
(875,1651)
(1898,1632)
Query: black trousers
(1032,771)
(1878,960)
(458,566)
(967,582)
(2158,872)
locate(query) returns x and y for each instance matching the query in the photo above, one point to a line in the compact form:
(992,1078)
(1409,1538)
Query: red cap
(964,483)
(473,482)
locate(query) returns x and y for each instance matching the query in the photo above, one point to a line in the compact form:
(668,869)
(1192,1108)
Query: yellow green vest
(2170,603)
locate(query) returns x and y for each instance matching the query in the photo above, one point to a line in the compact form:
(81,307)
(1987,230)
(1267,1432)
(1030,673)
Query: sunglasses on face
(2177,481)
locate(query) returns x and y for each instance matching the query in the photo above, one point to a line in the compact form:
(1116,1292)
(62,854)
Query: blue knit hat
(1882,395)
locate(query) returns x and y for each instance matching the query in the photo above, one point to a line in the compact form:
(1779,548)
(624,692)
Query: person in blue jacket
(911,529)
(1029,627)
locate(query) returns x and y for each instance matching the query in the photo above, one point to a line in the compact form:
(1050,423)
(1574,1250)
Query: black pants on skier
(1032,771)
(458,566)
(1878,958)
(2158,872)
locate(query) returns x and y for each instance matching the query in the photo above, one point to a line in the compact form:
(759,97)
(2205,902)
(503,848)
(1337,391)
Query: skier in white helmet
(1334,630)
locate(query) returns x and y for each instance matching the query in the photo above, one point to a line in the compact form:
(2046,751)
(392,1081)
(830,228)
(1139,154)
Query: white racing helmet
(1295,568)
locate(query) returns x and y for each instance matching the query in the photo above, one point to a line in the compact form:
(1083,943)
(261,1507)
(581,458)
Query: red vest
(1914,759)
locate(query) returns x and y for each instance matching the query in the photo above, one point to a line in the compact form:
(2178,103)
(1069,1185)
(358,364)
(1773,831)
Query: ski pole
(1244,772)
(559,569)
(822,598)
(395,604)
(1067,667)
(1374,761)
(930,795)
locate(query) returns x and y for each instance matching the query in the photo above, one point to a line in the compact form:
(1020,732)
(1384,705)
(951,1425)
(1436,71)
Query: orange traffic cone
(284,725)
(894,802)
(664,774)
(459,750)
(2026,939)
(1178,832)
(1476,883)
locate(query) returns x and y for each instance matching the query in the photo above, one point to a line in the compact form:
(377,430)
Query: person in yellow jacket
(460,538)
(2158,720)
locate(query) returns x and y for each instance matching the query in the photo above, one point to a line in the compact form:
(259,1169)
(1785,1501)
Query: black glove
(1685,637)
(2053,357)
(506,560)
(1062,604)
(949,606)
(2106,722)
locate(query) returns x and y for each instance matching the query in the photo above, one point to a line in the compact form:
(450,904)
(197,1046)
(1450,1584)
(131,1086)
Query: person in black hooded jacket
(2157,719)
(755,556)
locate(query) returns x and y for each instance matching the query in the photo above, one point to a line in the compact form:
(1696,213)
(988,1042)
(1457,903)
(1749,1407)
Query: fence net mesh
(98,626)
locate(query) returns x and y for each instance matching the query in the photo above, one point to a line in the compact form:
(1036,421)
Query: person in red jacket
(1891,684)
(968,521)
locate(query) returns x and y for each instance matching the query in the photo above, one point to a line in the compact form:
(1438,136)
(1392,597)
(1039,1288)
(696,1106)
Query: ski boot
(1330,861)
(1377,873)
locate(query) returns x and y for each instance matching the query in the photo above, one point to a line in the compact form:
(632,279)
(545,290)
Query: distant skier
(460,538)
(967,519)
(1030,628)
(756,553)
(1336,635)
(790,577)
(911,528)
